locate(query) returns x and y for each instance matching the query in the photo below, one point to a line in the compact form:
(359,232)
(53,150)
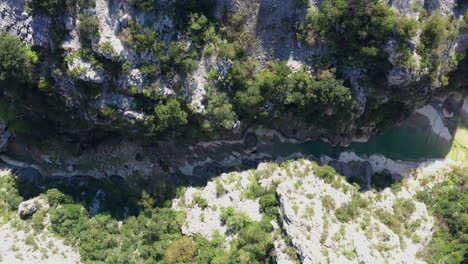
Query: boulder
(28,208)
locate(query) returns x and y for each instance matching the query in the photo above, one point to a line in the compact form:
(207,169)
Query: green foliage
(326,172)
(403,208)
(227,50)
(147,201)
(9,195)
(350,210)
(199,200)
(37,221)
(436,31)
(211,251)
(328,202)
(9,112)
(56,197)
(389,220)
(46,85)
(356,30)
(448,202)
(234,220)
(180,58)
(201,30)
(181,251)
(269,204)
(168,115)
(108,111)
(107,47)
(147,5)
(14,57)
(139,38)
(48,7)
(221,109)
(465,18)
(32,55)
(309,96)
(69,219)
(253,245)
(87,3)
(220,190)
(88,26)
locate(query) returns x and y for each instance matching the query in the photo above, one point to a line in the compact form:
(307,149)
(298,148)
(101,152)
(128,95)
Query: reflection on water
(406,142)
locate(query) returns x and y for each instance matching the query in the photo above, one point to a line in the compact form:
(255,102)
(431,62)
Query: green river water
(405,142)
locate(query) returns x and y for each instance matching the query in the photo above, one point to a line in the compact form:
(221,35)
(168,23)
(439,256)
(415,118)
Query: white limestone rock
(86,70)
(33,30)
(28,208)
(436,123)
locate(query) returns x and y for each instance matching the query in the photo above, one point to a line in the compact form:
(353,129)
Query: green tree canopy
(13,56)
(169,115)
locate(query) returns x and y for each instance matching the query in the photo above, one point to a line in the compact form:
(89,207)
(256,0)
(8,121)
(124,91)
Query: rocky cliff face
(308,213)
(121,75)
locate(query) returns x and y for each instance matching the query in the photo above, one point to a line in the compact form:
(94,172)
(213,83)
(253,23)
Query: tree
(13,56)
(181,251)
(69,219)
(56,197)
(48,7)
(89,26)
(169,115)
(147,201)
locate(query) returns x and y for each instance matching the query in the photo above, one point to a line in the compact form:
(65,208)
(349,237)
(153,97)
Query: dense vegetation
(357,32)
(151,236)
(14,59)
(448,202)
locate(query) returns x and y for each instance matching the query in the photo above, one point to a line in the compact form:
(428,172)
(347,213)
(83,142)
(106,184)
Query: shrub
(108,111)
(253,245)
(220,190)
(227,50)
(233,219)
(201,30)
(448,201)
(49,7)
(269,204)
(328,202)
(9,195)
(350,210)
(45,85)
(403,207)
(37,221)
(88,27)
(169,115)
(181,251)
(68,219)
(326,173)
(56,197)
(14,57)
(147,201)
(87,3)
(179,58)
(147,5)
(199,200)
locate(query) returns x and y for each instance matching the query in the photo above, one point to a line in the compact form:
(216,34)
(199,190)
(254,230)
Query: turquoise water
(405,142)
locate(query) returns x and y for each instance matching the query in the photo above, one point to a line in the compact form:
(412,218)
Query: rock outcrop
(28,208)
(308,212)
(33,30)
